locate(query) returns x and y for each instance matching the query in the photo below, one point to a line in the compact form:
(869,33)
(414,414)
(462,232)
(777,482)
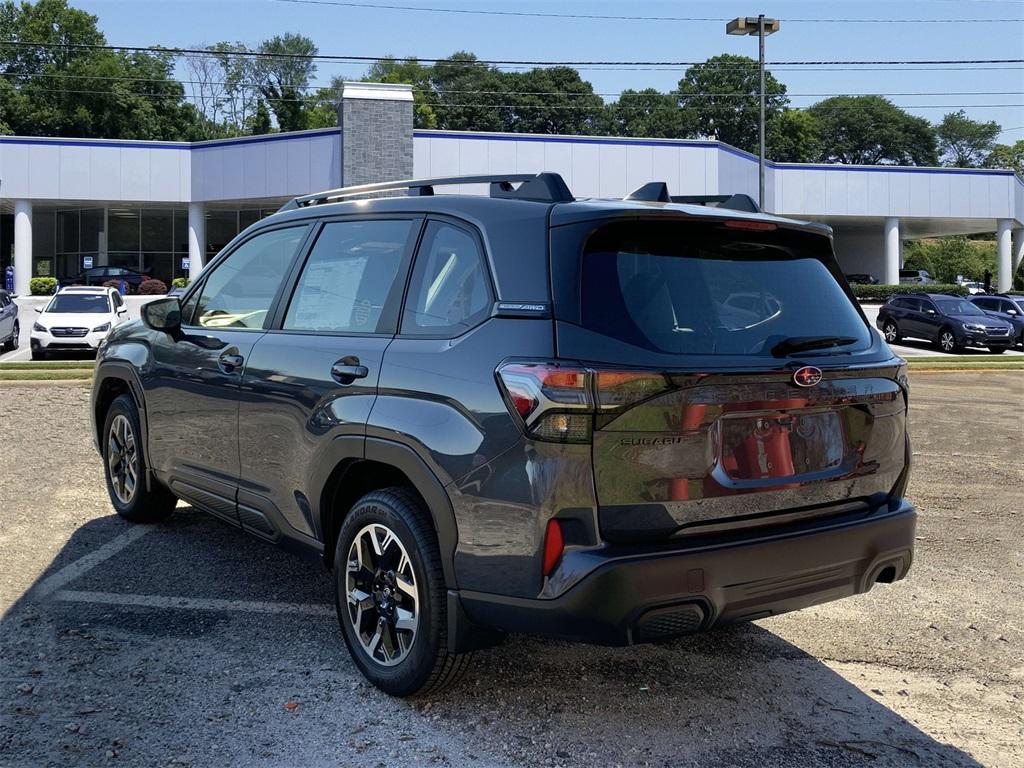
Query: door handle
(229,361)
(348,369)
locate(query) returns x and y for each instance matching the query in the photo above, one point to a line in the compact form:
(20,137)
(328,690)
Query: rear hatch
(736,382)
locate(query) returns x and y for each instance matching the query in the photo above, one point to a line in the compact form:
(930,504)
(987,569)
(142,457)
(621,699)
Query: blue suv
(611,421)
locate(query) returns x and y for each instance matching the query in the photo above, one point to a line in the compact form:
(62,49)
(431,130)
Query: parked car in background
(611,421)
(9,328)
(1007,308)
(77,318)
(950,322)
(973,287)
(860,278)
(915,277)
(100,275)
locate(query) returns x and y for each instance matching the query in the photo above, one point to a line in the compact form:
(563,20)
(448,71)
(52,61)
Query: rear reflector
(554,544)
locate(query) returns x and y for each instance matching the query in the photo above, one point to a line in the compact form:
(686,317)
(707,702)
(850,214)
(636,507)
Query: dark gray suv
(612,421)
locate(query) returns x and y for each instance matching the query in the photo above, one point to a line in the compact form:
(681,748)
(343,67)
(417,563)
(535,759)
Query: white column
(1017,250)
(892,251)
(1003,256)
(22,246)
(196,239)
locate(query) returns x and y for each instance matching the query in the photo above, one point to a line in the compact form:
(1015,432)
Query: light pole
(762,27)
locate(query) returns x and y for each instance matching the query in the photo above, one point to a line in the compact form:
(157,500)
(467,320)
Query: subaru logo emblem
(808,376)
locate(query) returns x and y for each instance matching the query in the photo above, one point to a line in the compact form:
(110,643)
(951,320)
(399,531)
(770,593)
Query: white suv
(77,318)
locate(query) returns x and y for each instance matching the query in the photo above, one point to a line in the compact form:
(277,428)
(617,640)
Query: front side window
(680,288)
(449,292)
(350,281)
(239,291)
(79,303)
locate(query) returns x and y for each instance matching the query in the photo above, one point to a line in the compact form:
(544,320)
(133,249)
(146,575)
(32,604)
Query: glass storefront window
(123,232)
(221,227)
(157,230)
(181,230)
(93,237)
(67,231)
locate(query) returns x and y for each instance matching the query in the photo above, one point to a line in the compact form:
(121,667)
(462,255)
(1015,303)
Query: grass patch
(958,366)
(971,359)
(65,375)
(42,365)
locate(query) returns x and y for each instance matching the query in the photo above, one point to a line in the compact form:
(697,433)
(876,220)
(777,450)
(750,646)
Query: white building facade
(164,208)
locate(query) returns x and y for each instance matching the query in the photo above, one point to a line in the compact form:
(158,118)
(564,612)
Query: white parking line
(193,603)
(83,565)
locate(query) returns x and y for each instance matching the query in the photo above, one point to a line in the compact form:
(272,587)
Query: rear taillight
(557,402)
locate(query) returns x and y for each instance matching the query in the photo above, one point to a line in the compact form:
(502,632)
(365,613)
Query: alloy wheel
(381,594)
(122,459)
(15,337)
(946,341)
(890,332)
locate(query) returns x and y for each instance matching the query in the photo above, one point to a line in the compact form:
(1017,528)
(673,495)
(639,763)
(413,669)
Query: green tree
(470,96)
(794,136)
(284,71)
(649,113)
(410,72)
(965,143)
(85,92)
(1007,156)
(259,122)
(947,258)
(554,101)
(872,130)
(721,98)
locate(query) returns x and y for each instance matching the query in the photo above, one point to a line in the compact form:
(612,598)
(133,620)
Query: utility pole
(762,27)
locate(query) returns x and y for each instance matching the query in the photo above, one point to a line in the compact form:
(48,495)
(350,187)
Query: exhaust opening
(887,575)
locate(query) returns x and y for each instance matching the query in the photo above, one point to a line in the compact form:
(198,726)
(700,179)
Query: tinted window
(449,292)
(239,291)
(348,278)
(74,303)
(698,289)
(957,307)
(985,303)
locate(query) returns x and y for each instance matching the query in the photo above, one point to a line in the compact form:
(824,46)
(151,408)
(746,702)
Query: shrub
(42,286)
(152,287)
(883,292)
(180,282)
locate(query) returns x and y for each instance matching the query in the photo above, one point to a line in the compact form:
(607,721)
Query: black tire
(38,354)
(133,501)
(12,343)
(997,350)
(946,341)
(424,664)
(891,332)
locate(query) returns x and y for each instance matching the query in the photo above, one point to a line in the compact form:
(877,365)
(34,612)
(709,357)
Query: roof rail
(543,187)
(737,202)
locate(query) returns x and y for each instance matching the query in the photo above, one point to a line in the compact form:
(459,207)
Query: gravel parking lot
(189,644)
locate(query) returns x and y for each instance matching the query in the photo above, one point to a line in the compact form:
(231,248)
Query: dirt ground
(188,644)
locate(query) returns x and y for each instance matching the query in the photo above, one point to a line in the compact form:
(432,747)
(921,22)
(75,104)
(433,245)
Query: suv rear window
(696,288)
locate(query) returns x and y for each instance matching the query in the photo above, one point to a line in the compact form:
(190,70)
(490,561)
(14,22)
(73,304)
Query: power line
(611,17)
(477,62)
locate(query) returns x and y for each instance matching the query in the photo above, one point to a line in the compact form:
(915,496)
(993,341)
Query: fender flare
(127,374)
(427,484)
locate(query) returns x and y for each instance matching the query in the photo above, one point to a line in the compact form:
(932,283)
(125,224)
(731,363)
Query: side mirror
(39,310)
(162,315)
(122,310)
(1012,312)
(930,311)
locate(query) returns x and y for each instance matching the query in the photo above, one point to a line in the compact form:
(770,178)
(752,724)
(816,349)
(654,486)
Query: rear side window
(450,292)
(240,290)
(349,277)
(694,288)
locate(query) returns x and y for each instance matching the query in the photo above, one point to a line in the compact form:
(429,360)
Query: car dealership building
(166,207)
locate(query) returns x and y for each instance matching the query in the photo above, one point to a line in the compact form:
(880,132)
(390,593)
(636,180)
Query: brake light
(557,402)
(554,545)
(753,226)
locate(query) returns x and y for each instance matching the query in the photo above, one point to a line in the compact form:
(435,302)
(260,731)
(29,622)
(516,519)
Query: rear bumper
(652,597)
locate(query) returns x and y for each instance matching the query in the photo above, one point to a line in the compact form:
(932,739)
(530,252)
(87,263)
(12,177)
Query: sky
(810,31)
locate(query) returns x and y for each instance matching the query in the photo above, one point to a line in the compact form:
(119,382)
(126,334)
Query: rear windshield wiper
(804,343)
